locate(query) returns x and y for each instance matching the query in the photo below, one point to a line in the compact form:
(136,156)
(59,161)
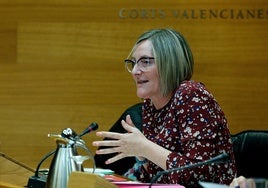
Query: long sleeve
(195,129)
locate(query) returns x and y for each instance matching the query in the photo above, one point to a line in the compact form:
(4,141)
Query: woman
(182,122)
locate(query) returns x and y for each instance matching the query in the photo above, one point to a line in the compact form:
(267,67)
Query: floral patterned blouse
(192,126)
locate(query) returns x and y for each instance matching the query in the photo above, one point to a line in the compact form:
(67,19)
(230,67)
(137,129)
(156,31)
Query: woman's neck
(161,101)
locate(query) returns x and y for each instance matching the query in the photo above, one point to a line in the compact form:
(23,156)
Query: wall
(61,63)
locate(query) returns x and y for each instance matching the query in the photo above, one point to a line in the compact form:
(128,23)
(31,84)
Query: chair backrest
(251,153)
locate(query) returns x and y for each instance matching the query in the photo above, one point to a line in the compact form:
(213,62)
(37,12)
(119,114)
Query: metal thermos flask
(66,158)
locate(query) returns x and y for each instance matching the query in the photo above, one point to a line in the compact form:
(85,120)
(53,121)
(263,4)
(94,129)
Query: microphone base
(37,182)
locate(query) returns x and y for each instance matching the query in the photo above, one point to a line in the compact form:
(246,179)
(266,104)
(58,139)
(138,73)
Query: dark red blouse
(192,126)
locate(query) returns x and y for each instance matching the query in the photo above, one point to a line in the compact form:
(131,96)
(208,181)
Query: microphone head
(92,127)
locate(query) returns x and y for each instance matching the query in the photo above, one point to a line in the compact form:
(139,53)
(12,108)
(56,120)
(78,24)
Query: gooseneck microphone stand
(222,158)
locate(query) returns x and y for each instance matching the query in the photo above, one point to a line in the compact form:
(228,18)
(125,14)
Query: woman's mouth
(142,81)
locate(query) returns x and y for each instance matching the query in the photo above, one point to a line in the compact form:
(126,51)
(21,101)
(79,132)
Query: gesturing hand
(125,144)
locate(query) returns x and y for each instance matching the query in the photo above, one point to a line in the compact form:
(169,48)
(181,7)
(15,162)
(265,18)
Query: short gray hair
(173,57)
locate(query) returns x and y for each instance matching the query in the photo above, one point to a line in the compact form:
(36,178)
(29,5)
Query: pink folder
(145,185)
(122,182)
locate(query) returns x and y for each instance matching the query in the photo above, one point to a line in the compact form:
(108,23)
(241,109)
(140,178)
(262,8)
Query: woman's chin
(142,95)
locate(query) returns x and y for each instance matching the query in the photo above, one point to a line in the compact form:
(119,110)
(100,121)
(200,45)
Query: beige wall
(61,63)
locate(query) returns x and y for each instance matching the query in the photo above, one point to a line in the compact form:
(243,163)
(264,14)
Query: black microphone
(221,158)
(92,127)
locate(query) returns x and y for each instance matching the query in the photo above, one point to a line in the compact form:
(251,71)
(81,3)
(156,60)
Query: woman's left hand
(243,182)
(127,144)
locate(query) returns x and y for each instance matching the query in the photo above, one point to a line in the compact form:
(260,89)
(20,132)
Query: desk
(12,173)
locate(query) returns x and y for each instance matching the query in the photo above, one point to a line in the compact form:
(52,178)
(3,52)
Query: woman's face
(147,81)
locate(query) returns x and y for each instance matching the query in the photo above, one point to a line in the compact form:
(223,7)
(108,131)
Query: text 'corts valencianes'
(232,14)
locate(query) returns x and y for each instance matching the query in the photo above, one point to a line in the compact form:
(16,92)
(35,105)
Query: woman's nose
(136,69)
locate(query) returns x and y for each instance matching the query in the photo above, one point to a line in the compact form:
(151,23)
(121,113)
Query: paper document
(212,185)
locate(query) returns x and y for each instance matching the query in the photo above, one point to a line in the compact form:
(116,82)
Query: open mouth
(142,81)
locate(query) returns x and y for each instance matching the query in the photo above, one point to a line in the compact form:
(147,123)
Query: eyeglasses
(143,62)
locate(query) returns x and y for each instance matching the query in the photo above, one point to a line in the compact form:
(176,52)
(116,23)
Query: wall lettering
(184,14)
